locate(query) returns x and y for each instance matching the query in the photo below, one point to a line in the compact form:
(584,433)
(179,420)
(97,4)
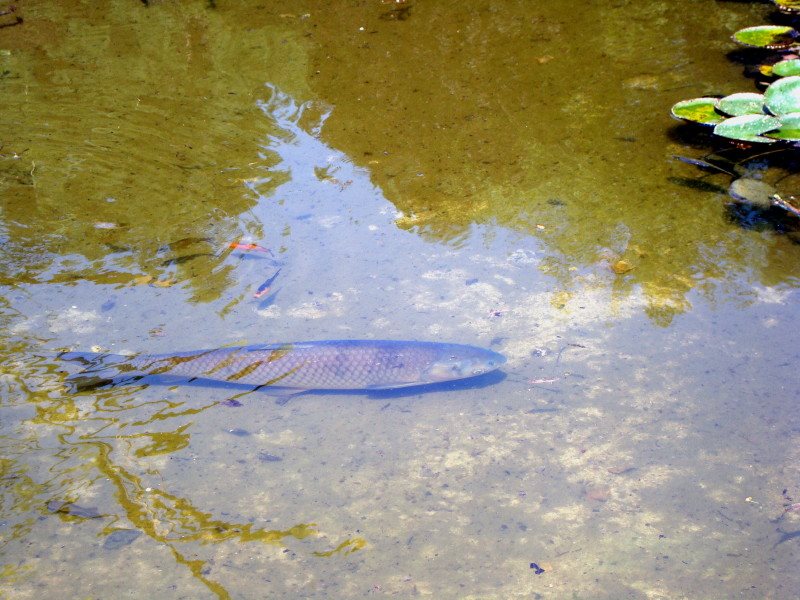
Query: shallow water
(468,172)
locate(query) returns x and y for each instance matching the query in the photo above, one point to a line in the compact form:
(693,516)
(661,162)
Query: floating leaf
(772,37)
(752,191)
(785,68)
(789,129)
(765,70)
(697,110)
(747,128)
(783,96)
(788,6)
(744,103)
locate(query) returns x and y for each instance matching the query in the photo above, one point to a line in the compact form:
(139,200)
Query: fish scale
(333,364)
(300,365)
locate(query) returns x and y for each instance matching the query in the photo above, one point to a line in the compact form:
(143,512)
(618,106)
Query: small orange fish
(249,248)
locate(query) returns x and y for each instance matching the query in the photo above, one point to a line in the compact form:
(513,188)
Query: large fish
(326,365)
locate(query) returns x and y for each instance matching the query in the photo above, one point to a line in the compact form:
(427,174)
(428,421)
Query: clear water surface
(492,172)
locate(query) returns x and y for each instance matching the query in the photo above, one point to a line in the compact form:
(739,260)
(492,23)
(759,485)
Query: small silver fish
(265,287)
(323,365)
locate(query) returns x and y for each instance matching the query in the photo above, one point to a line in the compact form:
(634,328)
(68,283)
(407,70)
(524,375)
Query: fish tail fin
(98,370)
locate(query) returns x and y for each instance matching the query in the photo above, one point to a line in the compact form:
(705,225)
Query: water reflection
(471,138)
(85,451)
(547,149)
(128,179)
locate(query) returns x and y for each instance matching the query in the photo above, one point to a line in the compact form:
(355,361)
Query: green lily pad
(788,6)
(783,96)
(772,37)
(698,110)
(785,68)
(747,128)
(744,103)
(789,129)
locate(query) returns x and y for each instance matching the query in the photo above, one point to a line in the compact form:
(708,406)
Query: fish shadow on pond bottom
(283,395)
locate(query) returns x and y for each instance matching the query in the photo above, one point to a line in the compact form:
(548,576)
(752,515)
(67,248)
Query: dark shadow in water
(283,394)
(756,219)
(472,383)
(786,536)
(691,135)
(698,184)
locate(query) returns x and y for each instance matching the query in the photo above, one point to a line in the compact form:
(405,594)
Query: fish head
(459,362)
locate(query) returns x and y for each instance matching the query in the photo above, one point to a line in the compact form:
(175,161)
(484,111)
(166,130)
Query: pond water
(497,173)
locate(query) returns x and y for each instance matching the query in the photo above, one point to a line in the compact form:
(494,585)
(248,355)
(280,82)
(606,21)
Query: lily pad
(771,37)
(788,6)
(747,128)
(785,68)
(783,96)
(698,110)
(744,103)
(789,129)
(752,191)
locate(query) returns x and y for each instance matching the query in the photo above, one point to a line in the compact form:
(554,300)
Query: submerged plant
(746,189)
(760,195)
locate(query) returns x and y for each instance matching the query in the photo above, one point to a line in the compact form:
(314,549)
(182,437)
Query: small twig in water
(547,380)
(558,357)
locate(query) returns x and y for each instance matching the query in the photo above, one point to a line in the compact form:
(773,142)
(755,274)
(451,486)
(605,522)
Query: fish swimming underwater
(266,287)
(300,366)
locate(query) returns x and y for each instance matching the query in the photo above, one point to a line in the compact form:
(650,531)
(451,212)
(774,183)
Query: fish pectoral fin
(282,395)
(283,398)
